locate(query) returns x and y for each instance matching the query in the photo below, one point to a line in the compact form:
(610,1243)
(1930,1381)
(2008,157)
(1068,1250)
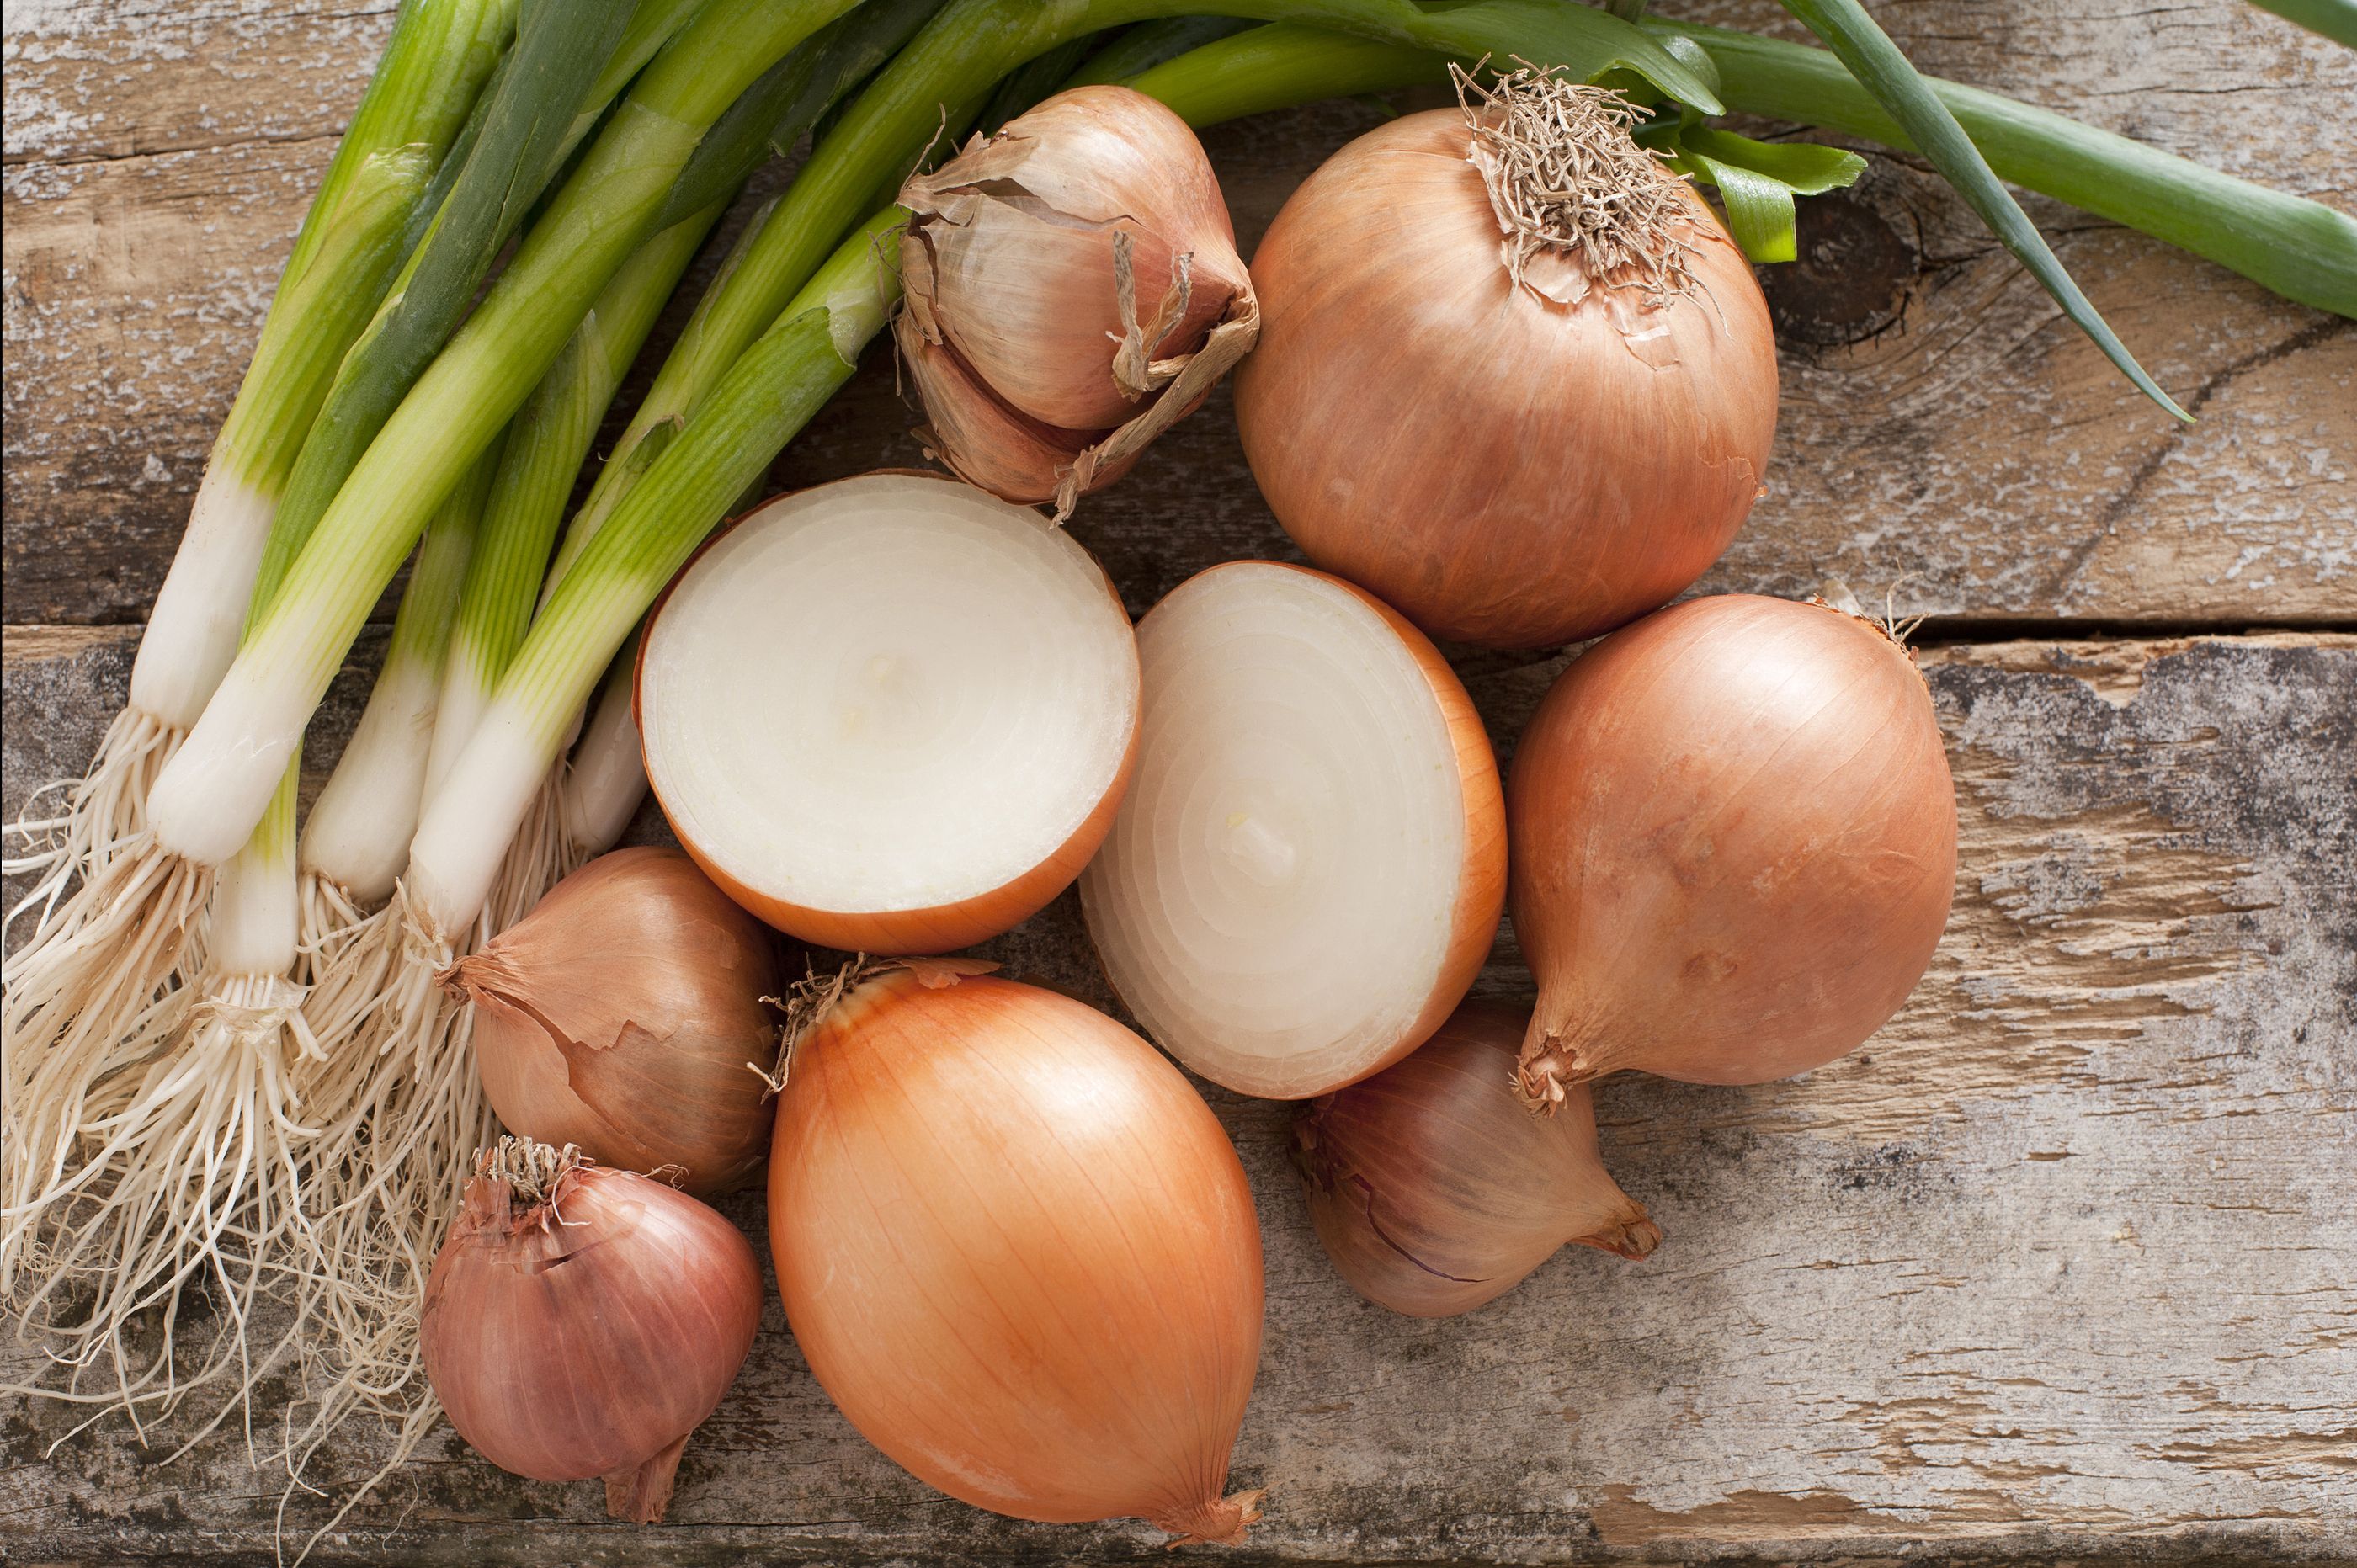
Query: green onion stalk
(351,242)
(102,963)
(91,993)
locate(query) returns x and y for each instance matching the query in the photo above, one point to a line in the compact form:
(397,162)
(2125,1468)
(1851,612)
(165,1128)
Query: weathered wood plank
(1940,423)
(2061,1263)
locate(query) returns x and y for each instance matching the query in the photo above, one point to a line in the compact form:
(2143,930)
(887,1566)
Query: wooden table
(2063,1262)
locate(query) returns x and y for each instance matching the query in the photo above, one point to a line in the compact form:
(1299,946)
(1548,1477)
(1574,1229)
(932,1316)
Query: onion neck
(1216,1521)
(642,1496)
(1559,1050)
(1630,1234)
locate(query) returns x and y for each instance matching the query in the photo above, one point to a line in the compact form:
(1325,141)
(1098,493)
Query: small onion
(1436,1190)
(1450,406)
(1073,289)
(1734,845)
(618,1017)
(1309,870)
(1018,1251)
(583,1322)
(891,715)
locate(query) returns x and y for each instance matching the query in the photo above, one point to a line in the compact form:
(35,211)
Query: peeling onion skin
(1502,469)
(1734,842)
(1018,1251)
(593,1344)
(1002,284)
(1481,884)
(618,1015)
(1436,1190)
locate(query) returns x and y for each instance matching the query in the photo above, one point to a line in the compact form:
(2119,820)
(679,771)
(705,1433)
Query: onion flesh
(1514,464)
(619,1016)
(1435,1190)
(1309,869)
(583,1322)
(890,714)
(1735,845)
(1018,1251)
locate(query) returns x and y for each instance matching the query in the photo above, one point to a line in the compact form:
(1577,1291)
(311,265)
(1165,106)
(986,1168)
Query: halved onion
(1310,865)
(891,715)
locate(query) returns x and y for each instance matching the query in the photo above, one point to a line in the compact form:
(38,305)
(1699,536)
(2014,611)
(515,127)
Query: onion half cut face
(892,713)
(1310,865)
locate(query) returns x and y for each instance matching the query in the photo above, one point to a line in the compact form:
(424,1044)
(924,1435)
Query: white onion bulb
(1310,866)
(890,714)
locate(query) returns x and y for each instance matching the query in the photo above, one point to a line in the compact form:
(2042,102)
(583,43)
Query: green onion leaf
(2336,19)
(1884,72)
(1758,181)
(1149,44)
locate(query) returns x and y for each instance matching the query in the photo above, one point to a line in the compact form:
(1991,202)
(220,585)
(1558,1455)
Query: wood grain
(2061,1264)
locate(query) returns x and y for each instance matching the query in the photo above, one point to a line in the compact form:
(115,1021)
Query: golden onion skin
(1503,469)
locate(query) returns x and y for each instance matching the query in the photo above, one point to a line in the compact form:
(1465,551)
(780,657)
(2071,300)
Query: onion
(1516,441)
(1018,1251)
(582,1321)
(1073,289)
(1436,1190)
(1735,842)
(1309,869)
(618,1017)
(890,714)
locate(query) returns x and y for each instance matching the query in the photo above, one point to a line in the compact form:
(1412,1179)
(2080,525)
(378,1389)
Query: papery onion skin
(1036,384)
(1733,843)
(1502,469)
(991,277)
(619,1014)
(914,931)
(1436,1190)
(1481,884)
(588,1334)
(1018,1251)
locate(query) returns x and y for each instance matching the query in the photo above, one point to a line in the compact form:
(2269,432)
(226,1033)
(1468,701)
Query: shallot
(1436,1190)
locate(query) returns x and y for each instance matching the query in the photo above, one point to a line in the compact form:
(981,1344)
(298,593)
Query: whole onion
(618,1017)
(1073,288)
(1018,1251)
(582,1321)
(1521,416)
(1733,843)
(1436,1190)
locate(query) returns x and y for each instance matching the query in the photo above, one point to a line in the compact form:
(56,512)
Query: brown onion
(1018,1251)
(1512,462)
(1073,288)
(1436,1190)
(1733,838)
(582,1321)
(619,1014)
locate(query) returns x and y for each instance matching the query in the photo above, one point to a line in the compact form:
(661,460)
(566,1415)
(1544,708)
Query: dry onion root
(1073,289)
(890,714)
(581,1322)
(1309,869)
(1435,1190)
(618,1017)
(1018,1251)
(1520,417)
(1733,843)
